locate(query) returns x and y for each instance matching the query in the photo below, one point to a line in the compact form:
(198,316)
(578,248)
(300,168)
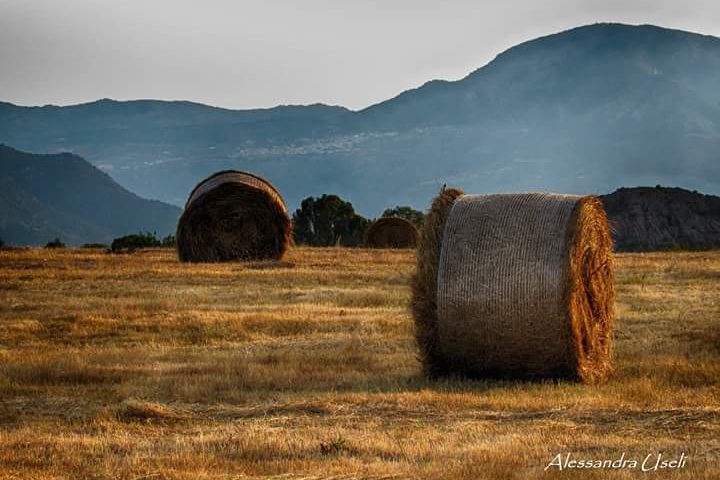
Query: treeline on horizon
(325,221)
(330,221)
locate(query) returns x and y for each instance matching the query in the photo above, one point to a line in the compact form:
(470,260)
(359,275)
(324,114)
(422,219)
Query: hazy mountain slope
(598,66)
(586,110)
(48,196)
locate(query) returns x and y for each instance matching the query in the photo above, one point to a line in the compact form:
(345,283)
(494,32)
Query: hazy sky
(260,53)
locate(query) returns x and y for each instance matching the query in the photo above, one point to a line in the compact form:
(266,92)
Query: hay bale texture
(233,215)
(391,232)
(515,286)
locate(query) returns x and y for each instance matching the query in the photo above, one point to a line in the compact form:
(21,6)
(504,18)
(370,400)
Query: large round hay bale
(391,232)
(515,285)
(233,215)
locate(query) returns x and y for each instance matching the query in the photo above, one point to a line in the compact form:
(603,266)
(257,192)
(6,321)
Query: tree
(408,213)
(328,221)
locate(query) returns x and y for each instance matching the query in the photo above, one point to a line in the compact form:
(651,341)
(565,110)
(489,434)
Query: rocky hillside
(647,218)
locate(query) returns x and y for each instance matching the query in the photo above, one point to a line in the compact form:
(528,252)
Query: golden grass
(136,366)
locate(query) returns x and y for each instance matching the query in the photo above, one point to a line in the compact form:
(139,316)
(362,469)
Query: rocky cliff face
(647,218)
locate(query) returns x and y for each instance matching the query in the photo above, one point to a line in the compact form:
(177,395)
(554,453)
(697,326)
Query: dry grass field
(139,367)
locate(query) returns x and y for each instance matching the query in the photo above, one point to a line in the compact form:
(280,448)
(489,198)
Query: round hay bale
(233,215)
(391,232)
(515,286)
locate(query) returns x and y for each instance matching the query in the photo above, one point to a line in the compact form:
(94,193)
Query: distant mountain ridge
(47,196)
(586,110)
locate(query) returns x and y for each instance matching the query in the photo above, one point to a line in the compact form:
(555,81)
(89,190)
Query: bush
(130,243)
(93,245)
(56,243)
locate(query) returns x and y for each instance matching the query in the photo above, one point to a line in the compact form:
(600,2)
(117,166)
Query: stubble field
(136,366)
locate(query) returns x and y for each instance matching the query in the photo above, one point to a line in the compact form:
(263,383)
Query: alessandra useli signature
(652,462)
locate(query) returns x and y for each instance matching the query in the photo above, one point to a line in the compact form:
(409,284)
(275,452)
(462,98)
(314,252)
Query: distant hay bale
(233,215)
(391,232)
(515,285)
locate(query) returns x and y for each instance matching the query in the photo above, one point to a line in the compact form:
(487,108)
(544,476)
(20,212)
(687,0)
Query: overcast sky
(260,53)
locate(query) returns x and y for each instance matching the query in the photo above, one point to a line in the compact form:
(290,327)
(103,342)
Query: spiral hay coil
(391,232)
(233,215)
(515,285)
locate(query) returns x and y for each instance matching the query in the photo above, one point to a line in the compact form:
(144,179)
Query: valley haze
(586,110)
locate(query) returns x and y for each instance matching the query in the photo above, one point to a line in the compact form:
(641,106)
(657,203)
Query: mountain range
(582,111)
(585,110)
(62,196)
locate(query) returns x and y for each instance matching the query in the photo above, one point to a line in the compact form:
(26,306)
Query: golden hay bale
(515,285)
(233,215)
(391,232)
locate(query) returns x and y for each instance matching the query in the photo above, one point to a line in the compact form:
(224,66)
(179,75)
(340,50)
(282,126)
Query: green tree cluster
(328,221)
(130,243)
